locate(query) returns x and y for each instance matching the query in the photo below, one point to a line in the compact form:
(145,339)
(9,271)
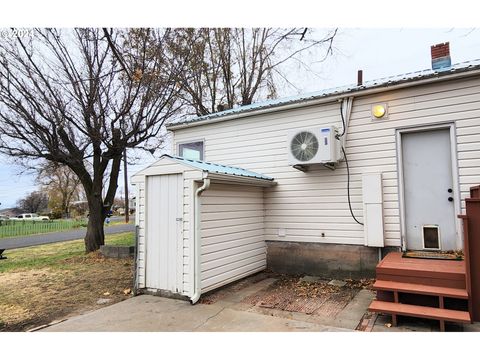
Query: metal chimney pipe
(360,78)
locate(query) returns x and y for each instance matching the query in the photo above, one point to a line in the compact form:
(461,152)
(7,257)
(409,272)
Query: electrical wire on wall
(343,122)
(346,163)
(348,188)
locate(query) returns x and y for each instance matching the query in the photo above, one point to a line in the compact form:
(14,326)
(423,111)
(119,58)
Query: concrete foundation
(329,260)
(162,293)
(117,252)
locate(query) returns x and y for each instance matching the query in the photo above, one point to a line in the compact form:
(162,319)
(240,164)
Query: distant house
(324,184)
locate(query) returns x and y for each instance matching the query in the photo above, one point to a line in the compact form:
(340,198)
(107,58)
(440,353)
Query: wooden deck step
(420,289)
(430,272)
(419,311)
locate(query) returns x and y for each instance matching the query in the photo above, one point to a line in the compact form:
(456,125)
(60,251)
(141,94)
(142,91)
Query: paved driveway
(33,240)
(153,313)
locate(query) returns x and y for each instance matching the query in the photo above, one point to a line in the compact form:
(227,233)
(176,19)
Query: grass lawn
(48,282)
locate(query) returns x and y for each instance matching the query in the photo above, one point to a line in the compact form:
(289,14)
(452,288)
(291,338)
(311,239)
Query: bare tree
(34,202)
(235,66)
(62,185)
(66,98)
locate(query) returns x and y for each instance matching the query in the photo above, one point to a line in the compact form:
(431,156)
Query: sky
(378,52)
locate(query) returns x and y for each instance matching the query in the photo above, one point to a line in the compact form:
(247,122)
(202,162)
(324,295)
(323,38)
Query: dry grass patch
(58,282)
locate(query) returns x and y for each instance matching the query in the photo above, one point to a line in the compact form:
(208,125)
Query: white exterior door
(428,190)
(164,241)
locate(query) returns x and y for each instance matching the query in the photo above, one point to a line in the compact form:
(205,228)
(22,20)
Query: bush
(54,215)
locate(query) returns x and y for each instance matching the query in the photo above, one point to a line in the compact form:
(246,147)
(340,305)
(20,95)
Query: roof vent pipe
(360,78)
(441,56)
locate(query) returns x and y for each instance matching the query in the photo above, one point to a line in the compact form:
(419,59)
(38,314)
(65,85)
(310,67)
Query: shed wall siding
(189,175)
(312,206)
(232,234)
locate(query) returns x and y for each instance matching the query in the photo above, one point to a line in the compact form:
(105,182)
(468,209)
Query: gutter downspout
(196,243)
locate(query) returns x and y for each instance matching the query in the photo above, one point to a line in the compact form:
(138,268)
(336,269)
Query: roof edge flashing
(209,169)
(240,180)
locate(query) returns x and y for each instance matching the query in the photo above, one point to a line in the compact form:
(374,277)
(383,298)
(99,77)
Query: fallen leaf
(127,291)
(388,325)
(106,294)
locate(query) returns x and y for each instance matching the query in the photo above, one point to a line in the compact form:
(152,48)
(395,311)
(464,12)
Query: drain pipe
(196,243)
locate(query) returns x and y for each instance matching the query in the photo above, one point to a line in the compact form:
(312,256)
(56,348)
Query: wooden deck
(447,273)
(425,288)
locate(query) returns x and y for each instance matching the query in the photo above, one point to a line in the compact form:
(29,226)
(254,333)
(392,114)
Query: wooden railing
(471,249)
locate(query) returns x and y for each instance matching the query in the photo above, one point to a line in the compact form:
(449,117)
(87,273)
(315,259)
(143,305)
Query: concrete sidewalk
(152,313)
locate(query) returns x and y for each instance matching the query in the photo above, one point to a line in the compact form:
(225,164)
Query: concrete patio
(230,309)
(152,313)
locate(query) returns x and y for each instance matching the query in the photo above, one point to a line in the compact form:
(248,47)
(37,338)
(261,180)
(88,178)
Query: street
(32,240)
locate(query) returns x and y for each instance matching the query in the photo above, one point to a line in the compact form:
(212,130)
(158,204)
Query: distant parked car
(33,217)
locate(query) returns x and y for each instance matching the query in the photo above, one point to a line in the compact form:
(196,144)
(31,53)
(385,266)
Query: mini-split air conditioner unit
(313,146)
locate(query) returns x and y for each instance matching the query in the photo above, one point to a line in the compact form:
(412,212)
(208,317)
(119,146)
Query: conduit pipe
(347,106)
(196,243)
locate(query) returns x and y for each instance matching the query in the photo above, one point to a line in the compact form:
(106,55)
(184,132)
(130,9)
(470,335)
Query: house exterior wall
(312,207)
(189,177)
(232,234)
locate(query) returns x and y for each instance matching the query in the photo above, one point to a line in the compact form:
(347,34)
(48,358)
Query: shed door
(164,241)
(428,188)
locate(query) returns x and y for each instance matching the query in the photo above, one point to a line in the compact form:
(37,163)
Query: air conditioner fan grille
(304,146)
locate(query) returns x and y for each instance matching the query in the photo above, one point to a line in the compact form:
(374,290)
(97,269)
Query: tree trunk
(95,236)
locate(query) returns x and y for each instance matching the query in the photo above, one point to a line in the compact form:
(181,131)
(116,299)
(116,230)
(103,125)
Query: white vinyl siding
(140,222)
(232,234)
(231,229)
(312,206)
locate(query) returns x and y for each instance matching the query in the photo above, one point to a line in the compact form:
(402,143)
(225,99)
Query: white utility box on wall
(373,210)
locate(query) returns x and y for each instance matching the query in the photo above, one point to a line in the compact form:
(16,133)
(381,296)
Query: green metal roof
(218,168)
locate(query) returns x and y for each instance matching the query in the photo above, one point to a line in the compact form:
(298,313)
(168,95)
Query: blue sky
(378,52)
